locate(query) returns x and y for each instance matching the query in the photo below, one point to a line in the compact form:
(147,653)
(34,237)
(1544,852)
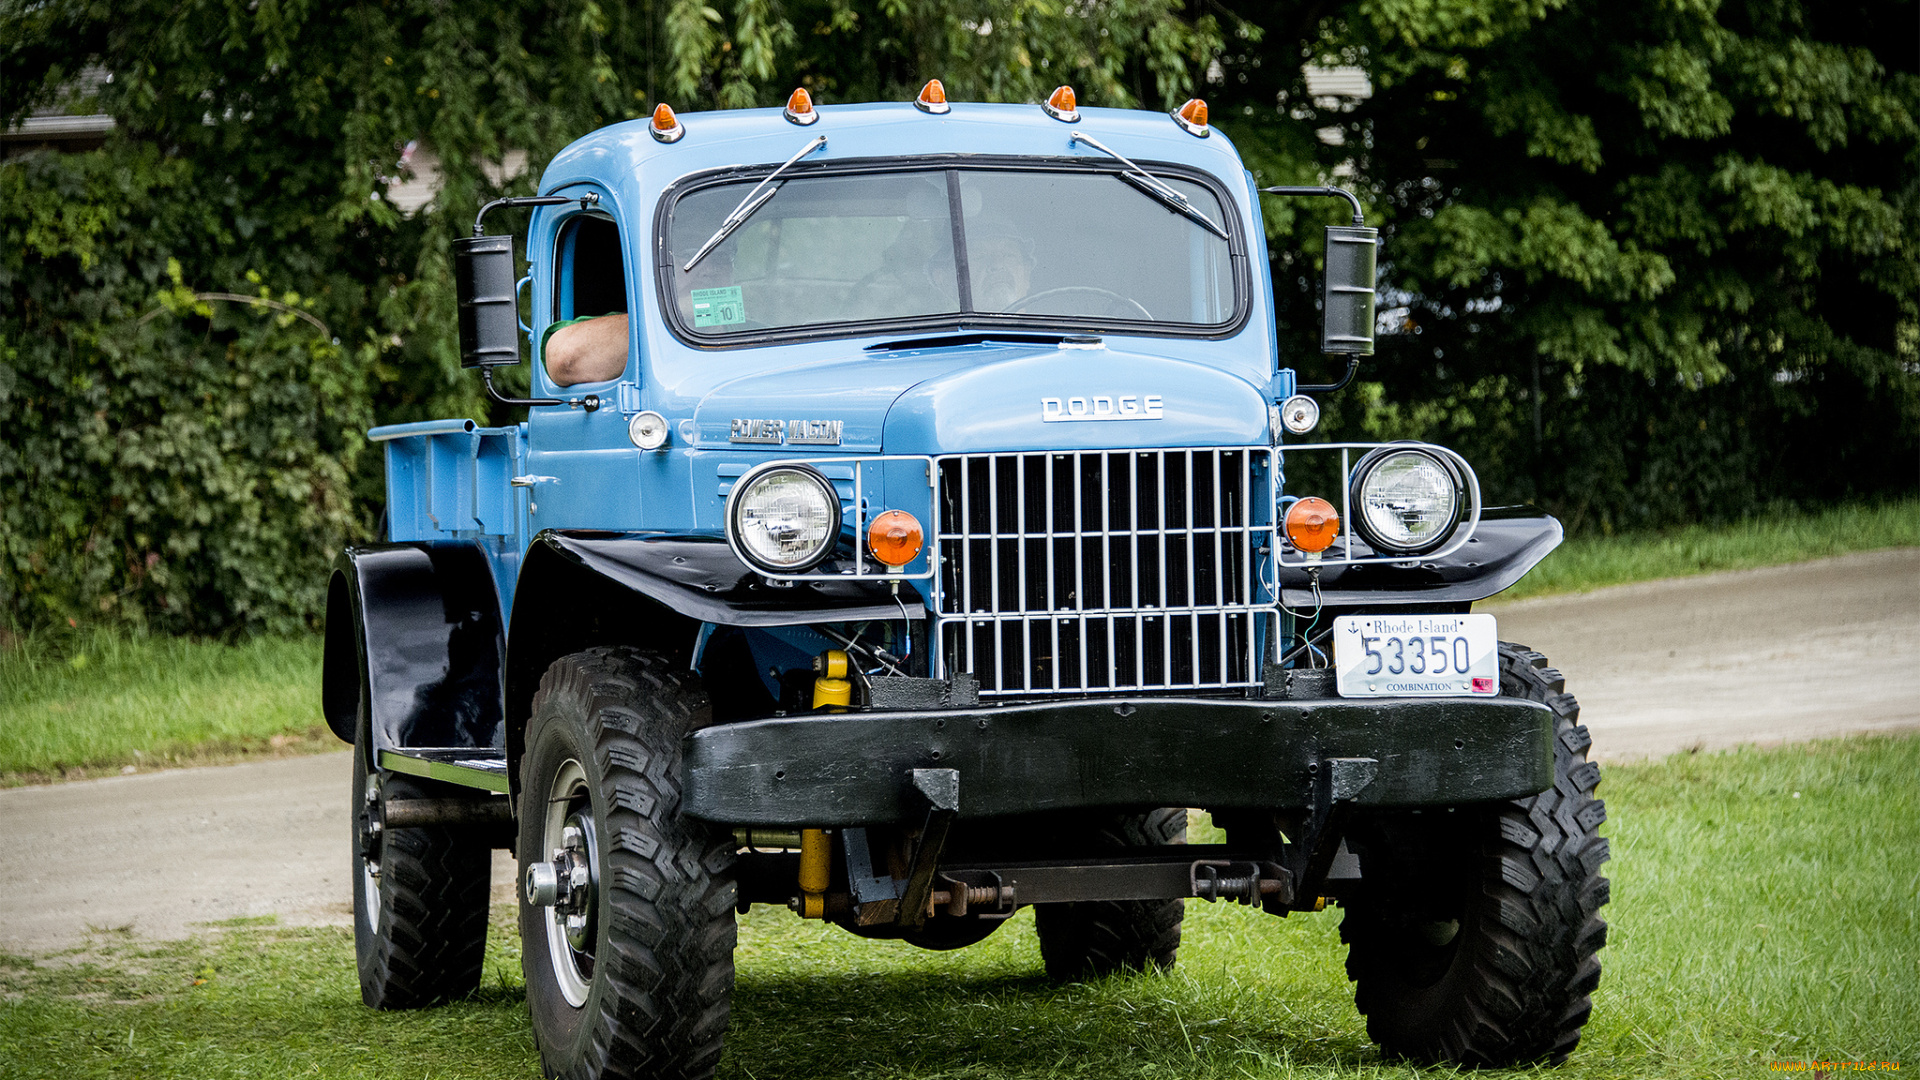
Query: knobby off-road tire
(419,898)
(648,994)
(1473,939)
(1092,939)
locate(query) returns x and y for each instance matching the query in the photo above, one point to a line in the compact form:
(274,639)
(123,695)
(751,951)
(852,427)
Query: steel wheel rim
(567,798)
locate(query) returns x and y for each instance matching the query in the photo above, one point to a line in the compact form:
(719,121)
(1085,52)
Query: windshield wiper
(748,205)
(1153,185)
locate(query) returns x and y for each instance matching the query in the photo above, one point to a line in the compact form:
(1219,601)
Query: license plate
(1416,656)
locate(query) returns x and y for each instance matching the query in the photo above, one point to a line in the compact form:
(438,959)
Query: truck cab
(949,526)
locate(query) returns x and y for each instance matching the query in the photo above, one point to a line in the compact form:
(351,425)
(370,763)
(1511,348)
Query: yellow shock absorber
(831,687)
(816,866)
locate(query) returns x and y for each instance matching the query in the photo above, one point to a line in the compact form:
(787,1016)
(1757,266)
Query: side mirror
(1349,297)
(489,310)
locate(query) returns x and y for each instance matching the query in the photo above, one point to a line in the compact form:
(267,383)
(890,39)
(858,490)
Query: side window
(591,277)
(590,282)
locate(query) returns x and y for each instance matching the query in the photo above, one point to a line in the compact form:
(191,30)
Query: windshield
(1030,247)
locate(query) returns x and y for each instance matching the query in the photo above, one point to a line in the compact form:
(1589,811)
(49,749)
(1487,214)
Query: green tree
(193,463)
(1647,261)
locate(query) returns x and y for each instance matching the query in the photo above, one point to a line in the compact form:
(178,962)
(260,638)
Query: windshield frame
(949,322)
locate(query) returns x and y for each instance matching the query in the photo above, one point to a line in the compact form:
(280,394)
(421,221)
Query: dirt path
(1789,652)
(1757,656)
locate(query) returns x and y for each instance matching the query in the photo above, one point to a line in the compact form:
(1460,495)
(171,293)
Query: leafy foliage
(175,465)
(193,466)
(1650,261)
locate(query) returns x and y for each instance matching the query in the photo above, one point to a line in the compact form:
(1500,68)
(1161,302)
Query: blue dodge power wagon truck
(949,530)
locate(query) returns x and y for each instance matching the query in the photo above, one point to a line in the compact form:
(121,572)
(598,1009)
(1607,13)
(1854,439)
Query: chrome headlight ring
(1407,499)
(783,519)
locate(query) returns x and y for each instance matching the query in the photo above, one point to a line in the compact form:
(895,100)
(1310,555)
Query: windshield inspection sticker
(718,307)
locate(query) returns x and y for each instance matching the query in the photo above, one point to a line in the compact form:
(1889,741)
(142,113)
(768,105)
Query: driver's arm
(593,350)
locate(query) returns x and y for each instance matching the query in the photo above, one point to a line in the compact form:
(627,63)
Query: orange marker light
(1062,106)
(1193,117)
(666,126)
(895,538)
(800,107)
(1312,524)
(933,98)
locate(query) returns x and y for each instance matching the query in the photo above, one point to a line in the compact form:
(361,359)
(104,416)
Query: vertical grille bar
(1079,562)
(1193,639)
(1220,541)
(1106,560)
(1160,546)
(1053,585)
(1020,561)
(1133,566)
(993,548)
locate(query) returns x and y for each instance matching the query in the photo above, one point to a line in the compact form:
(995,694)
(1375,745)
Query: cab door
(582,470)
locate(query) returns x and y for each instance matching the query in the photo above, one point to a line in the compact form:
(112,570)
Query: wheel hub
(567,883)
(372,827)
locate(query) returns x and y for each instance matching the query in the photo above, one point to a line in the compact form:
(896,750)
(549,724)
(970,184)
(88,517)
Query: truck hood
(986,397)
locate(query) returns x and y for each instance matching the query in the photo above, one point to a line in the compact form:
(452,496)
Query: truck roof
(627,156)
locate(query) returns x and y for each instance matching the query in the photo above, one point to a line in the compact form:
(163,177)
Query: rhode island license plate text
(1416,655)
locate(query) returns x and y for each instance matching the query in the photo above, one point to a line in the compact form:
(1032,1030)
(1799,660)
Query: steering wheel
(1094,289)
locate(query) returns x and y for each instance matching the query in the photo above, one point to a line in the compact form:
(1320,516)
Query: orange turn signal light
(1061,105)
(933,98)
(1312,523)
(666,126)
(800,107)
(895,538)
(1192,117)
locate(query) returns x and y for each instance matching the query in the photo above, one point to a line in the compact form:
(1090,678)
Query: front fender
(414,637)
(700,577)
(580,590)
(1510,541)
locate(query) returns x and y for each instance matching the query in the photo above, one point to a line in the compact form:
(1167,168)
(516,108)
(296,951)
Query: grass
(1593,562)
(1765,910)
(103,701)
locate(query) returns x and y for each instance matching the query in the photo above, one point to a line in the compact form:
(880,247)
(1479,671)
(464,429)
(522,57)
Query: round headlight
(784,520)
(1405,501)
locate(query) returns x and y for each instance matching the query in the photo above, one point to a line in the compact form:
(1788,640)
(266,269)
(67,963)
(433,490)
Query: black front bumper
(857,768)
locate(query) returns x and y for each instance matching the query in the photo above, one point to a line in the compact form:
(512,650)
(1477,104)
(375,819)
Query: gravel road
(1794,652)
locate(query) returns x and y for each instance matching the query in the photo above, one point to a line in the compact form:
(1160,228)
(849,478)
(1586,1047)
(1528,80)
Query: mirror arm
(590,402)
(1327,192)
(1353,368)
(486,376)
(479,219)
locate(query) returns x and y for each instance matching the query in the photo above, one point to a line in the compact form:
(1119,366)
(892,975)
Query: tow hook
(565,884)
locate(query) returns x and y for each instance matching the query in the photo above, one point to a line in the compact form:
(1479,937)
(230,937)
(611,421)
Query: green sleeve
(548,332)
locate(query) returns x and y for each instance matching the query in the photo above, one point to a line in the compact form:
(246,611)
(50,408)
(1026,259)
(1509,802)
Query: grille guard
(1462,532)
(1237,540)
(1105,571)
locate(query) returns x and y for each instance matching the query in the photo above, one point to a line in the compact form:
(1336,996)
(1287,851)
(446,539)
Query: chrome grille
(1102,570)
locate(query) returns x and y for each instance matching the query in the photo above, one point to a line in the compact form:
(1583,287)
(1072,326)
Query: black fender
(1510,541)
(580,589)
(414,630)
